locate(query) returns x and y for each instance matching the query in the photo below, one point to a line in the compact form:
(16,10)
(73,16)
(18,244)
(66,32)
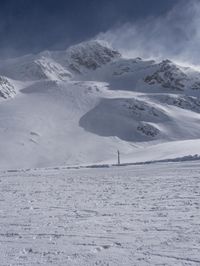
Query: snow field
(136,215)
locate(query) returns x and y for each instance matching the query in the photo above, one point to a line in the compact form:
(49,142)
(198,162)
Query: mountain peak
(93,45)
(90,55)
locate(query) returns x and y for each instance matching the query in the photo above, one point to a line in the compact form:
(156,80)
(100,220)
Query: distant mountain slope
(81,105)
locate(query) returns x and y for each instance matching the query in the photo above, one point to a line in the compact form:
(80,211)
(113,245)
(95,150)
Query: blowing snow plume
(175,35)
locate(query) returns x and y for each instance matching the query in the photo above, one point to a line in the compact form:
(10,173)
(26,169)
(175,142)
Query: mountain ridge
(80,105)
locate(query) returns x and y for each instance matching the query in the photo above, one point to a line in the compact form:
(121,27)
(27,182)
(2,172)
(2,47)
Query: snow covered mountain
(81,105)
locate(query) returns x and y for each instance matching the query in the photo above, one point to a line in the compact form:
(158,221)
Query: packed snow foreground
(118,216)
(81,105)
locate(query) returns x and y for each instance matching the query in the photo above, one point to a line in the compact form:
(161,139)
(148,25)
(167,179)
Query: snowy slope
(80,105)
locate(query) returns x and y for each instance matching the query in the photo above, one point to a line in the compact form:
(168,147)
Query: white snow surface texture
(81,105)
(118,216)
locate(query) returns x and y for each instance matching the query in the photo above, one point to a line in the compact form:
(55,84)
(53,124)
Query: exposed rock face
(184,102)
(168,76)
(7,90)
(196,86)
(148,130)
(90,55)
(51,69)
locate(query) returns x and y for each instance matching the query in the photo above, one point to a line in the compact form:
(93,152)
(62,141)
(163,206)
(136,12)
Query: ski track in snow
(135,215)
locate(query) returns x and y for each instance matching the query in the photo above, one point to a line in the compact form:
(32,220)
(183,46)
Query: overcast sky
(29,26)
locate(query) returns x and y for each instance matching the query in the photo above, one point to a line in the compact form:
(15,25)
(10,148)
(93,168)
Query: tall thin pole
(118,157)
